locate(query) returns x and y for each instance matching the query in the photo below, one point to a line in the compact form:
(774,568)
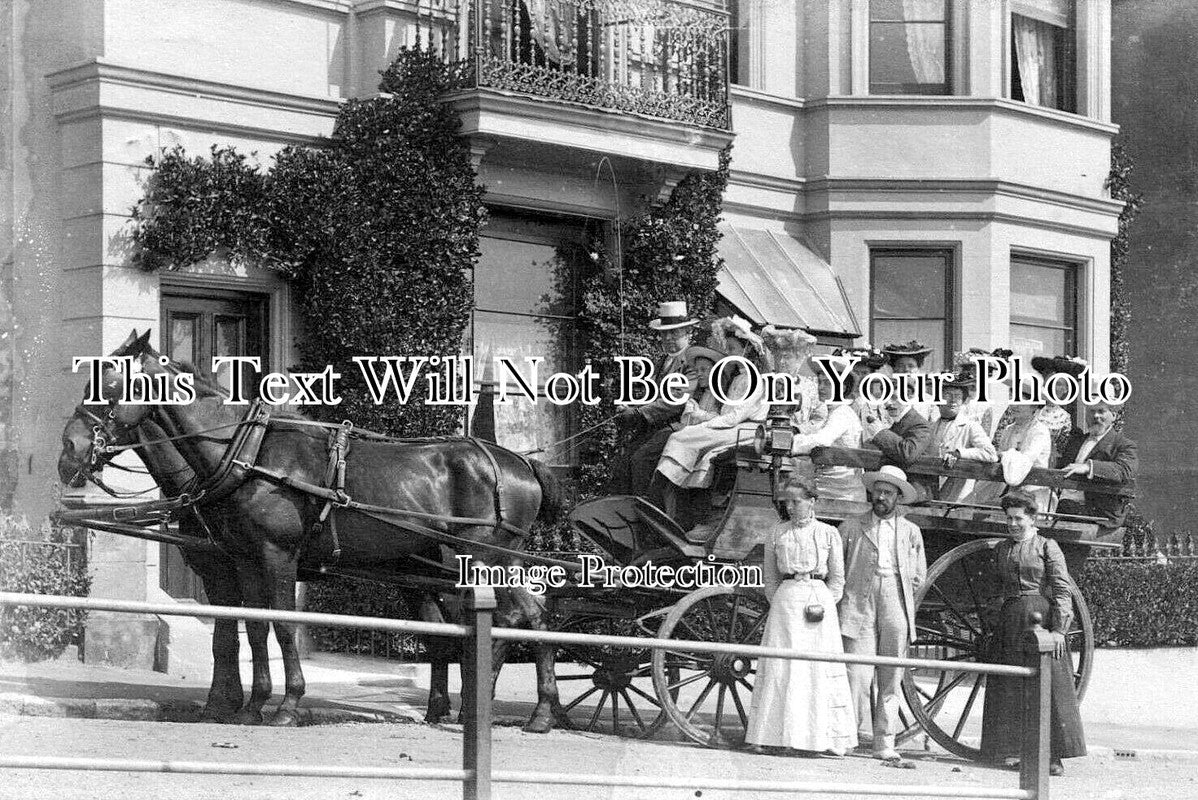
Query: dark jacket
(696,367)
(1116,461)
(905,440)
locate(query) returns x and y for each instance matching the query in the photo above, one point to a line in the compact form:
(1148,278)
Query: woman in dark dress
(1034,579)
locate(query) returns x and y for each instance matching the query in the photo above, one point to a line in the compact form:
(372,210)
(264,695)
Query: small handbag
(814,610)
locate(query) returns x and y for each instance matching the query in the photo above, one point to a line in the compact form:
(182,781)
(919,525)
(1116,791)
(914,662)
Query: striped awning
(773,278)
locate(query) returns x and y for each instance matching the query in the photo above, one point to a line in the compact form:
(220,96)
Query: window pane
(517,276)
(898,331)
(502,335)
(1038,294)
(907,58)
(908,286)
(183,344)
(908,10)
(1028,341)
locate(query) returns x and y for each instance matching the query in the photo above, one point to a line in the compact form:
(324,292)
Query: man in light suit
(884,565)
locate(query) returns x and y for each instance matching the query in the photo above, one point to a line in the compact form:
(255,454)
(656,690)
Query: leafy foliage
(366,599)
(37,562)
(1119,184)
(377,226)
(1142,604)
(669,253)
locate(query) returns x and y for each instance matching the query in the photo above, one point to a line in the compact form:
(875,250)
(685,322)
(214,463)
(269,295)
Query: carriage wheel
(953,624)
(707,695)
(618,677)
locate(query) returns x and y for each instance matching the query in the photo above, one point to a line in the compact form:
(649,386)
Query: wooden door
(196,326)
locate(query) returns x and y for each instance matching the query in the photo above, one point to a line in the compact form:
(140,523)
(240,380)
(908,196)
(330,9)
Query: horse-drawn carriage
(266,481)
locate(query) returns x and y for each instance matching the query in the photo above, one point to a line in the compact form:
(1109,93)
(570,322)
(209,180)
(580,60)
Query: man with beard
(884,565)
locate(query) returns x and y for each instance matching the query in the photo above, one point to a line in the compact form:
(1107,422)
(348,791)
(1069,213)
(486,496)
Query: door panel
(196,327)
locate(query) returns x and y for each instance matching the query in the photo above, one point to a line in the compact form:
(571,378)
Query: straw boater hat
(912,349)
(896,478)
(672,315)
(737,328)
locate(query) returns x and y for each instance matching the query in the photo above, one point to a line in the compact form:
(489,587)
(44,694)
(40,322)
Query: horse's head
(94,428)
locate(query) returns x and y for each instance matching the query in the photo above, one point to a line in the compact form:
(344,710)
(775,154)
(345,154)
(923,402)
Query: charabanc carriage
(705,696)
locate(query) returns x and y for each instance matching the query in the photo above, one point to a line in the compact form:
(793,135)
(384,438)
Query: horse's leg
(533,613)
(280,568)
(253,595)
(226,694)
(439,650)
(505,616)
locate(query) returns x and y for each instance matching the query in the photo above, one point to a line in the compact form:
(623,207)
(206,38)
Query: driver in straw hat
(884,565)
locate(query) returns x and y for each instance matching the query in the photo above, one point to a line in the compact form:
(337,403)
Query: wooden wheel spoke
(692,634)
(740,708)
(615,712)
(719,712)
(702,697)
(973,695)
(640,723)
(930,637)
(747,685)
(948,605)
(648,697)
(942,693)
(679,684)
(574,677)
(580,698)
(682,660)
(581,658)
(598,710)
(711,617)
(732,618)
(756,627)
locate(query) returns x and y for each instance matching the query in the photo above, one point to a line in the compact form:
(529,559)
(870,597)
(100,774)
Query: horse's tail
(552,497)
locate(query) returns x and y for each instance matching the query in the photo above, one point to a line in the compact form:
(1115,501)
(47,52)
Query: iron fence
(477,775)
(1162,549)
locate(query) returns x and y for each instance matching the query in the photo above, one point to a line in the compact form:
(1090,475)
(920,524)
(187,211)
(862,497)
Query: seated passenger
(686,461)
(786,352)
(990,412)
(869,361)
(1102,455)
(907,359)
(1023,444)
(840,429)
(956,436)
(902,441)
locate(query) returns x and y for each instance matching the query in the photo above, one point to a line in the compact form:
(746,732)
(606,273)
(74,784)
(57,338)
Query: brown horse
(265,526)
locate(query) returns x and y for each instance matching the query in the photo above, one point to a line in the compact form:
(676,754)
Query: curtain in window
(1036,52)
(548,30)
(925,43)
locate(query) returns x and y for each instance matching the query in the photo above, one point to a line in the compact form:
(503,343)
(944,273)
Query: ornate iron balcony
(666,59)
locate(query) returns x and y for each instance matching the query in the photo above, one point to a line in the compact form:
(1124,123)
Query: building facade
(902,169)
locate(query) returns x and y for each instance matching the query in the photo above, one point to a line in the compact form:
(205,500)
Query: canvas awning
(773,278)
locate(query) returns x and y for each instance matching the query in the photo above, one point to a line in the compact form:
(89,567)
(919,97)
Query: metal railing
(1162,549)
(477,775)
(666,59)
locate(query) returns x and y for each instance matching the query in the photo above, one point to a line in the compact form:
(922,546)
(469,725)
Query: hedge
(36,562)
(1142,603)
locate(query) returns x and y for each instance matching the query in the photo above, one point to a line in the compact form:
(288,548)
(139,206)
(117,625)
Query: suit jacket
(695,364)
(861,565)
(1113,461)
(905,440)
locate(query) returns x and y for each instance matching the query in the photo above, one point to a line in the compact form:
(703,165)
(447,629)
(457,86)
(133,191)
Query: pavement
(1141,704)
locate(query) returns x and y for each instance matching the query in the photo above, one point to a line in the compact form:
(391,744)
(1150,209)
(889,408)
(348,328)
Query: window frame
(1072,300)
(920,90)
(950,318)
(1069,80)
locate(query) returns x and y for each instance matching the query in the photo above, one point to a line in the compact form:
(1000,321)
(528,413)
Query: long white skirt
(687,458)
(805,705)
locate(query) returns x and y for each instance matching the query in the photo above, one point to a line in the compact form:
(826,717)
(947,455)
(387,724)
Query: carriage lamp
(775,436)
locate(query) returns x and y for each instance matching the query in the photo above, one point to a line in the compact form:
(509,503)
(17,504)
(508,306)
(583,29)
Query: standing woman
(1034,579)
(803,705)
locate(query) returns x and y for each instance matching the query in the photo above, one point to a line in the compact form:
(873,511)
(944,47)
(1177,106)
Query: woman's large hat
(896,478)
(870,358)
(1068,364)
(911,349)
(672,315)
(787,340)
(736,327)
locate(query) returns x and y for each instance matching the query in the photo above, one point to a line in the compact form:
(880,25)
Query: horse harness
(238,464)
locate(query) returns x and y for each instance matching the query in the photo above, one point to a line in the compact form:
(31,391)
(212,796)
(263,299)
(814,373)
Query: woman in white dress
(686,461)
(1025,443)
(803,705)
(841,428)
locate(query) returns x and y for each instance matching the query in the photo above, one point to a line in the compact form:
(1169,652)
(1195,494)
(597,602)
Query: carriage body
(706,697)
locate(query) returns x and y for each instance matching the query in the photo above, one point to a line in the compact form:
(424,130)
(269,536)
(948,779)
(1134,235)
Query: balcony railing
(666,59)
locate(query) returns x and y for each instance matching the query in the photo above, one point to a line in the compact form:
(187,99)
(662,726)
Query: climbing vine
(377,226)
(1119,184)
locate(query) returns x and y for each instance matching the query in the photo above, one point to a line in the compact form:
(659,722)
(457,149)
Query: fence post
(476,693)
(1037,709)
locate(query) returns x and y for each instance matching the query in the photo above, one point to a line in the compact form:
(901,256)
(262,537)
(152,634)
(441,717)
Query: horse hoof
(284,719)
(217,714)
(437,719)
(538,725)
(247,717)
